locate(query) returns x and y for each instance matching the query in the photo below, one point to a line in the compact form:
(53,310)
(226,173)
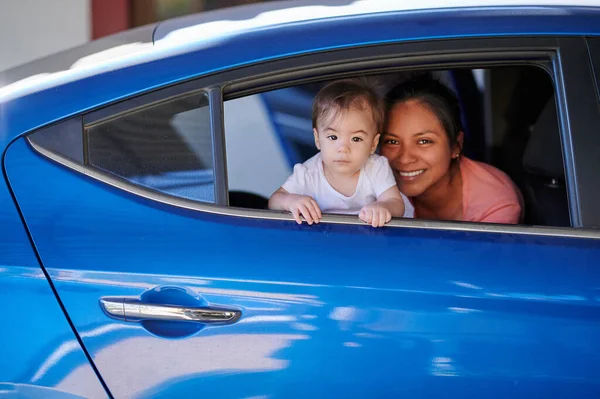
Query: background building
(31,29)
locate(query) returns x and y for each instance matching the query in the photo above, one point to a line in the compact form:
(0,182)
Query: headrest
(543,153)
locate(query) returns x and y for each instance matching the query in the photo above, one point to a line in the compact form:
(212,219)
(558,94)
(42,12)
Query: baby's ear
(375,143)
(317,139)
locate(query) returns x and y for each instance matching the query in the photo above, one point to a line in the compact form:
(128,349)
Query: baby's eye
(357,139)
(425,141)
(390,141)
(332,137)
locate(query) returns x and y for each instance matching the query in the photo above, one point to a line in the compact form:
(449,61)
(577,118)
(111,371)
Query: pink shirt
(489,195)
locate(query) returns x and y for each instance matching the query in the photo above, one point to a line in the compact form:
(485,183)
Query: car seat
(543,183)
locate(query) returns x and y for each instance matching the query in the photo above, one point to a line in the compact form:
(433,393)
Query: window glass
(508,116)
(165,147)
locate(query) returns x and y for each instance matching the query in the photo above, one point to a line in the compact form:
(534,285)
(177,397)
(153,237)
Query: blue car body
(332,310)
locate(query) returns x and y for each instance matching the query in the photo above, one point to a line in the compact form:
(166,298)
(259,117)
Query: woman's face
(417,146)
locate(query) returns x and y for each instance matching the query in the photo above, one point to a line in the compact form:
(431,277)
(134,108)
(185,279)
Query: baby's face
(347,141)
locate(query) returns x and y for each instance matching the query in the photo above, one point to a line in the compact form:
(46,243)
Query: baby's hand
(375,214)
(305,206)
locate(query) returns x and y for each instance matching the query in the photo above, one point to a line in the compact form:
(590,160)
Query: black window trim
(439,54)
(593,48)
(215,102)
(579,116)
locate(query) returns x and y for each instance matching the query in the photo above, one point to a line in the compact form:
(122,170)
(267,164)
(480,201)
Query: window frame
(592,144)
(89,127)
(550,53)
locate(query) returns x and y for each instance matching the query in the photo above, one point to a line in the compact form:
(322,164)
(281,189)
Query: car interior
(509,119)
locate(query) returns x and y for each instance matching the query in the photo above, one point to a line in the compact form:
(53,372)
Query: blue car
(138,257)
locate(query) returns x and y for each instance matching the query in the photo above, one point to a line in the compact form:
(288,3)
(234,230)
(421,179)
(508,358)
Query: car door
(175,294)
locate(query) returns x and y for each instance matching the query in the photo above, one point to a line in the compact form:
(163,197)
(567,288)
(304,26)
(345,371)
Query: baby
(346,176)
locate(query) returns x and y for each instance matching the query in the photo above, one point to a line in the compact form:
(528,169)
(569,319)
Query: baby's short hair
(342,95)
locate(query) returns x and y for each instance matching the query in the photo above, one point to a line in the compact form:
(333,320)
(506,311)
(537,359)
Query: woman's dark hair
(435,95)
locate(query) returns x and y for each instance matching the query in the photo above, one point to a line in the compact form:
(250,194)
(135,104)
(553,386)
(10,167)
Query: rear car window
(165,147)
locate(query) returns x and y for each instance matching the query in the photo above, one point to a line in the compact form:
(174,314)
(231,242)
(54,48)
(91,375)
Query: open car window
(509,118)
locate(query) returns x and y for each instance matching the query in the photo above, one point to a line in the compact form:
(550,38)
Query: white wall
(249,135)
(31,29)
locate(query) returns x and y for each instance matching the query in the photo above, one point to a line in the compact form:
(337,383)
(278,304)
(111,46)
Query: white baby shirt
(375,178)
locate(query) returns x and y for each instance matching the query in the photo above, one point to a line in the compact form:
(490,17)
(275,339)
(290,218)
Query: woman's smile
(411,174)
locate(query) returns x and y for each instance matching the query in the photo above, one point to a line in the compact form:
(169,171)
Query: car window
(163,141)
(509,119)
(165,147)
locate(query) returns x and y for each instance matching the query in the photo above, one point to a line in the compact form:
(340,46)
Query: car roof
(138,45)
(263,15)
(218,24)
(188,47)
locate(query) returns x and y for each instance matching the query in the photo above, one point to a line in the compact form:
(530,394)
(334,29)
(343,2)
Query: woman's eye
(332,137)
(357,139)
(390,141)
(425,141)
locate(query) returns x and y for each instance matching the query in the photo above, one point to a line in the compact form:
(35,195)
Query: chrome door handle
(132,310)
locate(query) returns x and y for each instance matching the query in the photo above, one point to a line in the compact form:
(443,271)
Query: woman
(423,140)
